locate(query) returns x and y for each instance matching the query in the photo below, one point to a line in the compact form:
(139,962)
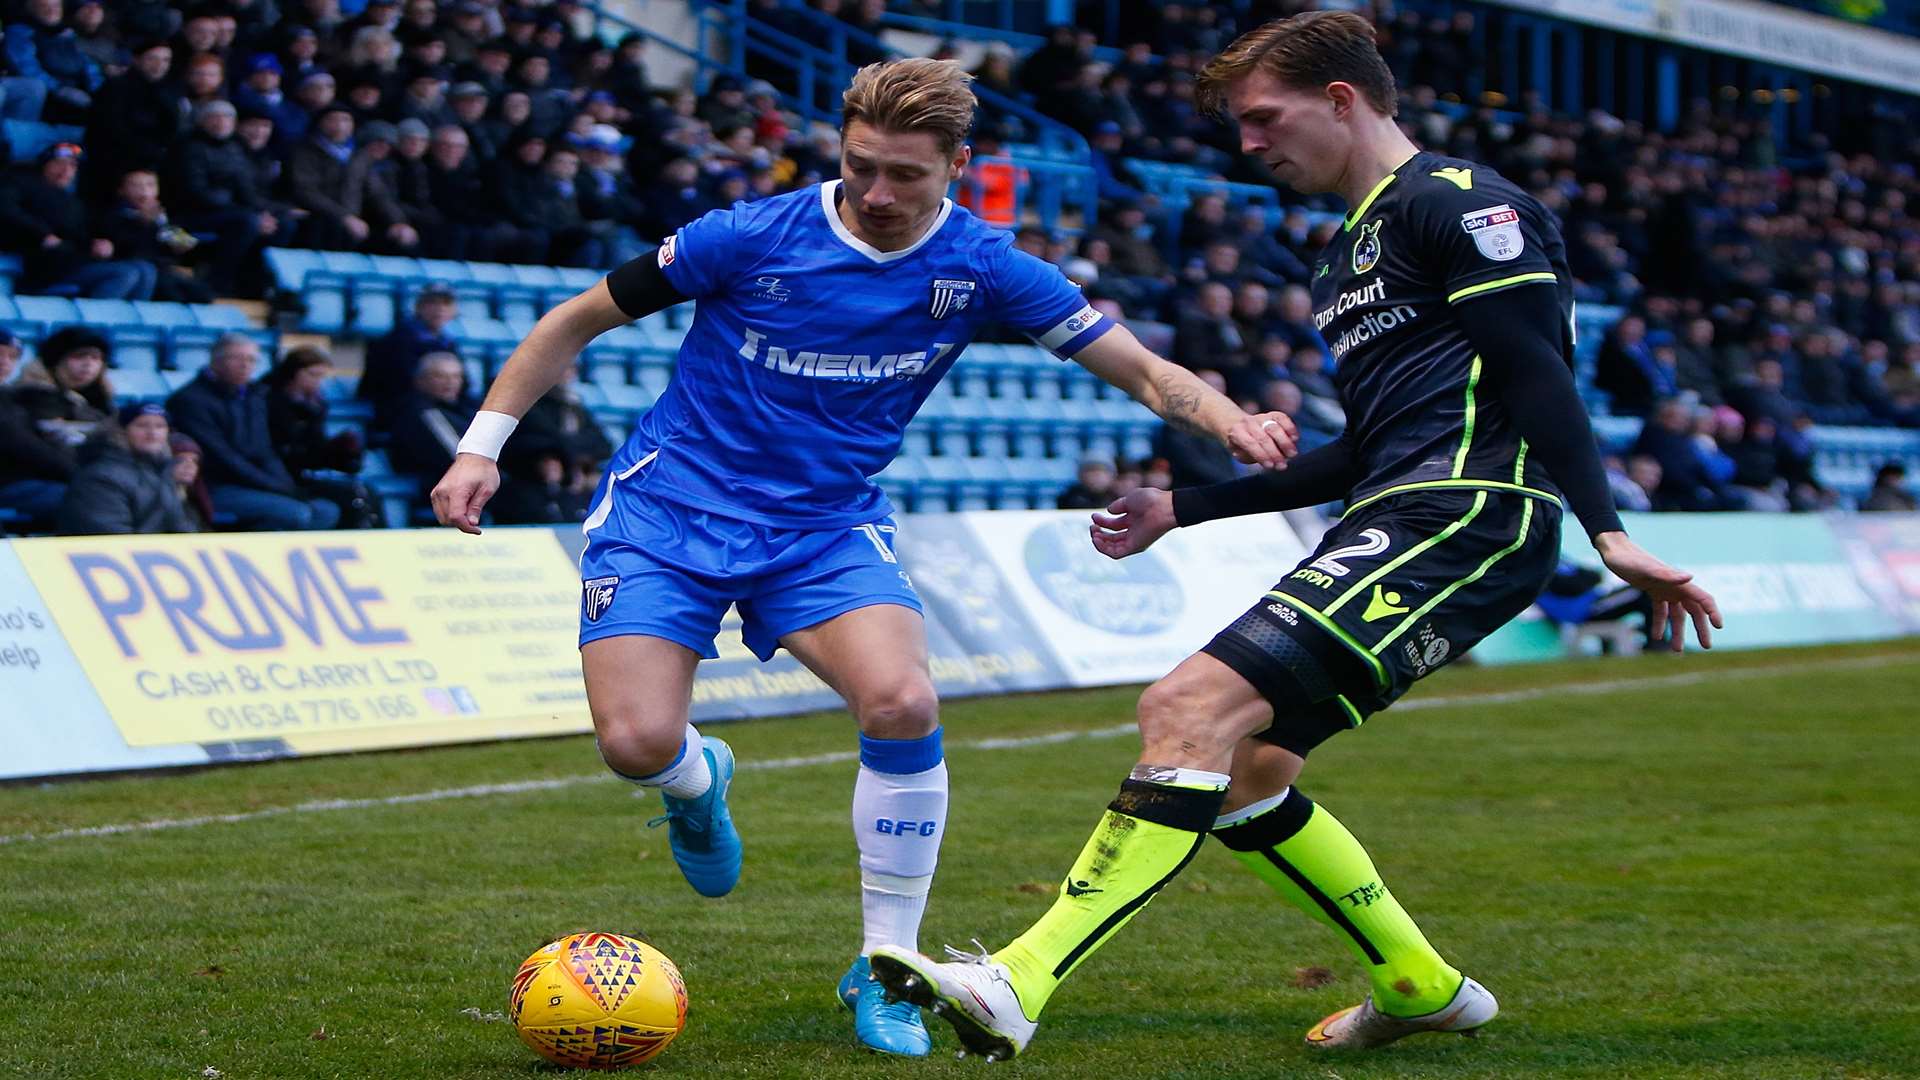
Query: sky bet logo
(904,827)
(224,599)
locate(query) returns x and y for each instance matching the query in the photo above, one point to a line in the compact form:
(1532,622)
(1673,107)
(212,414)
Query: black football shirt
(1436,232)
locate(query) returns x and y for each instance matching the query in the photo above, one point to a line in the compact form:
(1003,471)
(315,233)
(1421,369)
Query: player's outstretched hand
(1267,439)
(460,495)
(1675,598)
(1133,522)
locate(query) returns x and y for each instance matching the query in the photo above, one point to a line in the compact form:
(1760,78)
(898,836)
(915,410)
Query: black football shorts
(1395,591)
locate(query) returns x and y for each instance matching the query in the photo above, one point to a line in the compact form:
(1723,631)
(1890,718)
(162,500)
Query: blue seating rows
(149,336)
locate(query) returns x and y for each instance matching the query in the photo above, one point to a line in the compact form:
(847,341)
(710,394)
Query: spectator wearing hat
(226,414)
(372,186)
(468,104)
(313,94)
(607,193)
(1093,486)
(323,465)
(549,106)
(43,48)
(425,96)
(139,229)
(464,29)
(628,82)
(428,426)
(45,218)
(261,92)
(214,190)
(491,66)
(188,481)
(57,403)
(123,482)
(518,184)
(135,121)
(96,38)
(725,105)
(392,359)
(299,52)
(318,179)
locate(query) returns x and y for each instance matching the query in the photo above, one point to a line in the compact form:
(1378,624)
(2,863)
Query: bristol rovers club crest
(950,296)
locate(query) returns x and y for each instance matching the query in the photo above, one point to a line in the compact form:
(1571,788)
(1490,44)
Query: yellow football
(597,1001)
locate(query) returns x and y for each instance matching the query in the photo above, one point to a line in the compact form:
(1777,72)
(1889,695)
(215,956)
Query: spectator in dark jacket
(1630,372)
(124,483)
(1207,339)
(322,464)
(138,227)
(317,175)
(213,190)
(1687,482)
(58,402)
(559,423)
(542,492)
(387,378)
(1889,491)
(371,186)
(43,217)
(136,118)
(427,430)
(222,411)
(43,47)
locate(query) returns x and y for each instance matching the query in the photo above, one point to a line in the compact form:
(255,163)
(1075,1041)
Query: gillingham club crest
(596,596)
(1366,250)
(950,296)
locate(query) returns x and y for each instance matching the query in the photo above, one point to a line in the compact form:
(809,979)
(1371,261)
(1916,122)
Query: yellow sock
(1150,832)
(1315,863)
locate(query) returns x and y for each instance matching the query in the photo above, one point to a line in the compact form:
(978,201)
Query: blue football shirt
(810,350)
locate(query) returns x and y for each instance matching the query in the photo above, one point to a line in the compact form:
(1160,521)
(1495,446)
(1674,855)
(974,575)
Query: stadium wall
(140,652)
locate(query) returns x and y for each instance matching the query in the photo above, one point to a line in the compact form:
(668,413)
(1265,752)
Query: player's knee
(632,746)
(905,709)
(1180,712)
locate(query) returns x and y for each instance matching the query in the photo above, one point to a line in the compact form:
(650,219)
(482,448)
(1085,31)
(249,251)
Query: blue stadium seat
(139,384)
(219,316)
(325,297)
(164,314)
(290,267)
(53,310)
(107,315)
(452,271)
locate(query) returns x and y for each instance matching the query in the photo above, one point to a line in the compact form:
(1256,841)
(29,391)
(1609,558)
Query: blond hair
(934,96)
(1304,52)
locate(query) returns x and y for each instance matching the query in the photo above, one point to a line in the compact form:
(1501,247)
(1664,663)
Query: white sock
(687,778)
(898,820)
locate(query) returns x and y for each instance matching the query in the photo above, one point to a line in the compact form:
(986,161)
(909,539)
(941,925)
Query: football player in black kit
(1448,306)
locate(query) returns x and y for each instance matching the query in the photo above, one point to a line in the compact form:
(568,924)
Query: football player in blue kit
(823,318)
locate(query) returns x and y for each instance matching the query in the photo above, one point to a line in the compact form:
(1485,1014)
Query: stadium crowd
(1769,286)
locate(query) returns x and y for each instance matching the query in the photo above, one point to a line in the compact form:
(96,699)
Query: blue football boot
(700,830)
(885,1027)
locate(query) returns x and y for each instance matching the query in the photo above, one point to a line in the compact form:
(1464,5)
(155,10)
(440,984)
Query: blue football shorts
(666,570)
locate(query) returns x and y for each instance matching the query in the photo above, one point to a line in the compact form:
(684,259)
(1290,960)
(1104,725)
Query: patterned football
(597,1001)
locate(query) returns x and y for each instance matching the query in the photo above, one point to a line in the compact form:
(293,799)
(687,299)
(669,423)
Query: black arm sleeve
(1320,475)
(640,287)
(1519,336)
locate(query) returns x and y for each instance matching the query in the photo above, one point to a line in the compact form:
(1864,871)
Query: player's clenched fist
(1267,439)
(459,496)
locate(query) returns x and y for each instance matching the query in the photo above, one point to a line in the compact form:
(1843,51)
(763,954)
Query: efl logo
(666,252)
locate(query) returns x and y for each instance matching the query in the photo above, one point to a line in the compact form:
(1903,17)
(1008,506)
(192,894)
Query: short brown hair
(934,96)
(1306,51)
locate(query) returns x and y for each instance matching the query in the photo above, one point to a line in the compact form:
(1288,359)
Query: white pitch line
(1503,697)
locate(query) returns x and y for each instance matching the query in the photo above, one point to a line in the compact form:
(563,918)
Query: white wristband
(487,434)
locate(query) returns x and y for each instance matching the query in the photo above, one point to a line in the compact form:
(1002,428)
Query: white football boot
(972,993)
(1362,1027)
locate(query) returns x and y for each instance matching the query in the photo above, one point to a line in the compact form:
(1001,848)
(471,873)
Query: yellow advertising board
(323,641)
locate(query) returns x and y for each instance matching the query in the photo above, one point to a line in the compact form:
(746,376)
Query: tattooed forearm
(1180,401)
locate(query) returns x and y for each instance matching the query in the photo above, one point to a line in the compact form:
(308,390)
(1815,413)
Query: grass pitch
(1713,873)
